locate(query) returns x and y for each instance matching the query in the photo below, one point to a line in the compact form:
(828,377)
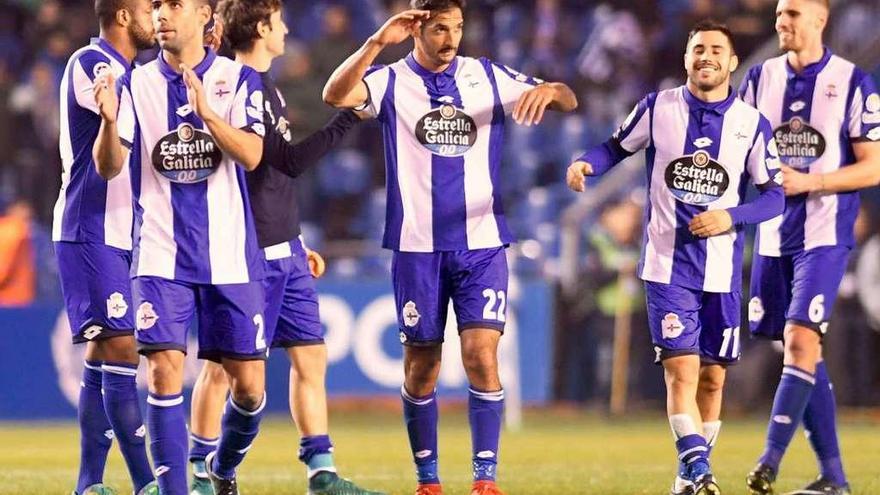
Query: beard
(141,38)
(708,84)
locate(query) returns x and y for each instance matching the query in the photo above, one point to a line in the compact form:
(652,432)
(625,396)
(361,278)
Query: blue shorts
(688,321)
(96,285)
(798,288)
(475,281)
(230,317)
(292,317)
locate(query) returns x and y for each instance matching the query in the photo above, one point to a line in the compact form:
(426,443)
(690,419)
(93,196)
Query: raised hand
(576,174)
(711,222)
(316,263)
(195,93)
(105,96)
(530,107)
(400,27)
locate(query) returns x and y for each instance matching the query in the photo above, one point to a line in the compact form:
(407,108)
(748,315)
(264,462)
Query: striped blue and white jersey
(443,135)
(193,219)
(816,116)
(700,156)
(89,208)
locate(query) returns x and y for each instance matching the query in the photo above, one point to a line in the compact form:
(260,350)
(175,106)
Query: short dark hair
(438,5)
(241,18)
(106,10)
(712,25)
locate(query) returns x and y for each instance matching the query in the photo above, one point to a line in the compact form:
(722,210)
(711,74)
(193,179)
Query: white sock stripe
(312,472)
(490,396)
(245,412)
(165,402)
(244,450)
(119,370)
(91,366)
(413,400)
(204,441)
(803,375)
(698,448)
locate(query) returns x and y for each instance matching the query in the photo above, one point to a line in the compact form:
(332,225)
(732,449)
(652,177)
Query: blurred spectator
(17,270)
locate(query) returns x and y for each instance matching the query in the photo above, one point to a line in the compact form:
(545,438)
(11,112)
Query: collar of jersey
(718,107)
(107,47)
(199,69)
(425,73)
(811,70)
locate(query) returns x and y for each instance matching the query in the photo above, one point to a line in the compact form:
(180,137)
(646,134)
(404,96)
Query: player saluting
(92,234)
(702,146)
(826,117)
(443,118)
(196,249)
(255,31)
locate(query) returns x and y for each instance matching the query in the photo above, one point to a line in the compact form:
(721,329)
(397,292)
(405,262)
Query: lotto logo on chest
(186,155)
(799,144)
(447,131)
(697,179)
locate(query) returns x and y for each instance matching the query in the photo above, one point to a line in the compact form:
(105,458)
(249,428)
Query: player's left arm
(762,165)
(863,129)
(244,146)
(530,107)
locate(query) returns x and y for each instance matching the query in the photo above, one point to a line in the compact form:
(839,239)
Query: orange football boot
(486,488)
(429,489)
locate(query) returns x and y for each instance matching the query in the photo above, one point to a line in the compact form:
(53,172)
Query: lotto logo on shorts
(672,326)
(411,315)
(146,316)
(116,305)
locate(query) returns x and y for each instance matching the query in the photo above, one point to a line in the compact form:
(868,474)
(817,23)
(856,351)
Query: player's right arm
(346,88)
(108,152)
(633,135)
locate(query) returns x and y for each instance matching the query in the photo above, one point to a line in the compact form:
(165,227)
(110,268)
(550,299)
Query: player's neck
(120,42)
(714,95)
(258,59)
(422,60)
(798,60)
(190,55)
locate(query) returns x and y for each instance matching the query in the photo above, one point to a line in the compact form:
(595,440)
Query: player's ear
(205,13)
(734,62)
(123,17)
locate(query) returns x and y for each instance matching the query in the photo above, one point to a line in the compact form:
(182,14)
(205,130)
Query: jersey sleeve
(126,119)
(763,158)
(86,68)
(748,89)
(377,79)
(634,133)
(248,107)
(864,110)
(510,83)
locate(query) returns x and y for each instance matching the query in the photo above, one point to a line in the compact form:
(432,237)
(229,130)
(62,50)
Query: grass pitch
(554,453)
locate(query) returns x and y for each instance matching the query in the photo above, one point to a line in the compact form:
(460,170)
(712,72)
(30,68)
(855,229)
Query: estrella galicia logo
(799,143)
(447,131)
(697,179)
(186,155)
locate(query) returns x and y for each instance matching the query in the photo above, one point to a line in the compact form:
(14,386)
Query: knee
(213,374)
(802,345)
(248,400)
(480,361)
(164,378)
(681,379)
(711,384)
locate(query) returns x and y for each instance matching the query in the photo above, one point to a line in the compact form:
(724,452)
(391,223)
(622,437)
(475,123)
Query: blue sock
(96,435)
(200,447)
(240,428)
(316,452)
(485,410)
(166,421)
(693,453)
(124,413)
(791,399)
(710,433)
(421,416)
(821,425)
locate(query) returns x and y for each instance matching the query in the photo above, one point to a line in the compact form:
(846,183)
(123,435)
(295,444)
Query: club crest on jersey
(799,144)
(697,179)
(100,69)
(186,155)
(447,131)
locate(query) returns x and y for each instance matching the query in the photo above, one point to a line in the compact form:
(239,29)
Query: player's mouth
(708,68)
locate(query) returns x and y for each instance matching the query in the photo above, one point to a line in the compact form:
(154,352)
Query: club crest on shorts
(410,314)
(116,305)
(671,326)
(756,309)
(146,316)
